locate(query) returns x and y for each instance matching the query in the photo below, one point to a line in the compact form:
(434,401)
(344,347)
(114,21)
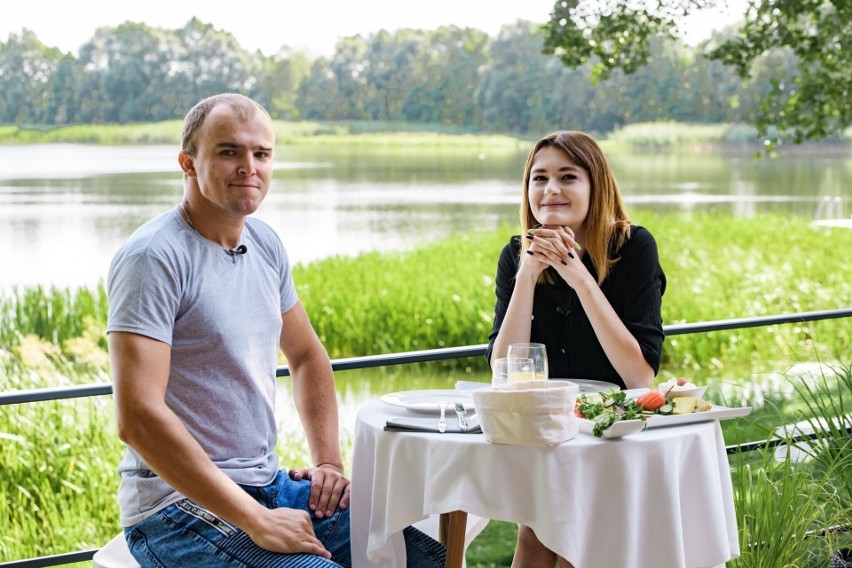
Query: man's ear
(187,163)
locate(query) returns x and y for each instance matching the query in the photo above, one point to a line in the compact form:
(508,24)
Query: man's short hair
(242,106)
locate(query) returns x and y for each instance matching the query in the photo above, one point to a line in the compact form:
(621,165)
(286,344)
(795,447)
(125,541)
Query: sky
(312,25)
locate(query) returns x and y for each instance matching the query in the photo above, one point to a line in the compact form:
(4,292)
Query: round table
(661,497)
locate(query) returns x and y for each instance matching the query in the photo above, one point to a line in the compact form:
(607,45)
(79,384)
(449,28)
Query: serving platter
(627,427)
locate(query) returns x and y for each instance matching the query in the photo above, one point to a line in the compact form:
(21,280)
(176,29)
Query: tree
(616,35)
(277,81)
(446,68)
(26,68)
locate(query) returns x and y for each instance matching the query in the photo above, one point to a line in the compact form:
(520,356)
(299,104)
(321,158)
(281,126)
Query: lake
(66,208)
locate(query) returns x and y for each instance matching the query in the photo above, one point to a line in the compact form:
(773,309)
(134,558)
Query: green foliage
(783,508)
(810,103)
(615,35)
(626,66)
(57,467)
(435,296)
(722,268)
(672,136)
(52,314)
(815,104)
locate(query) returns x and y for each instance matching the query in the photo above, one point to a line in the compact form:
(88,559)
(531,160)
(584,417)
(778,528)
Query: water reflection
(65,209)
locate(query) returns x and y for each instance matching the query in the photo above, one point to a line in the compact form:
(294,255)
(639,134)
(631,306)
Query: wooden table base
(451,533)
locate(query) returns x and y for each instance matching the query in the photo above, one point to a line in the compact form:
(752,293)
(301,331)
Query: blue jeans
(183,535)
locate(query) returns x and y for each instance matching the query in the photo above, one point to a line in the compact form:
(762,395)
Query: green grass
(57,459)
(390,136)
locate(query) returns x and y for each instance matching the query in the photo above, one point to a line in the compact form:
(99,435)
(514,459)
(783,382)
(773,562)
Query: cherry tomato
(651,400)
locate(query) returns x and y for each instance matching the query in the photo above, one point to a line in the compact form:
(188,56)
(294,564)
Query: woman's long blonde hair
(607,223)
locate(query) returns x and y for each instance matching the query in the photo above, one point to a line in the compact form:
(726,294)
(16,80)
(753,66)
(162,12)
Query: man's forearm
(316,400)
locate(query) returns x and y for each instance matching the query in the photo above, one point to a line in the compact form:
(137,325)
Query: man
(201,299)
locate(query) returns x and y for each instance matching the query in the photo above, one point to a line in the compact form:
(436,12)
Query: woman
(581,279)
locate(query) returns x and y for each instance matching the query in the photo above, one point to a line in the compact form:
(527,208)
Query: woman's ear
(187,163)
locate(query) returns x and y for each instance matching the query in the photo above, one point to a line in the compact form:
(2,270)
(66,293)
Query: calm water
(65,209)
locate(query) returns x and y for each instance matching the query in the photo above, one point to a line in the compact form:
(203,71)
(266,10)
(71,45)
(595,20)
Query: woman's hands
(556,246)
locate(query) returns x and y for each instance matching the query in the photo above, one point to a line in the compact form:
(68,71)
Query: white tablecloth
(659,498)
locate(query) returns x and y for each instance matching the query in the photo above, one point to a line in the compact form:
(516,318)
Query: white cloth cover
(661,497)
(529,413)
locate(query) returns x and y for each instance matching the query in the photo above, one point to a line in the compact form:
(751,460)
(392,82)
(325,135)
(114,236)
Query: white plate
(626,427)
(588,385)
(715,413)
(696,392)
(617,430)
(427,401)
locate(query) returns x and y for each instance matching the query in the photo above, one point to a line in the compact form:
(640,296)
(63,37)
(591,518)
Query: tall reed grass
(787,499)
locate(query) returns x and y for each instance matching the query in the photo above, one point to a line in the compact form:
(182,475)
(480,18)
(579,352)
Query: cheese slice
(684,404)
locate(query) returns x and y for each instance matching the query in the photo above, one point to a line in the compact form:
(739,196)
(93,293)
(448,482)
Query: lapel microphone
(242,249)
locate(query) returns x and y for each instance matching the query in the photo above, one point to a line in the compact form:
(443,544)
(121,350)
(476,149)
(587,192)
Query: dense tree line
(808,98)
(448,76)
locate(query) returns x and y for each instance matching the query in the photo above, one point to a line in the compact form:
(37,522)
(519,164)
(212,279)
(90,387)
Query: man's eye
(262,155)
(228,152)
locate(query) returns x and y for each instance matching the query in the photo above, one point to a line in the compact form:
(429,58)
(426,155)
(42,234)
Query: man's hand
(329,488)
(288,531)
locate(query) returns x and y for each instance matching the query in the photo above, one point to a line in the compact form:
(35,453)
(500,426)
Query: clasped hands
(555,246)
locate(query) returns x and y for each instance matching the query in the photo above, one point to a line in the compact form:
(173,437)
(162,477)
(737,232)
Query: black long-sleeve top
(634,288)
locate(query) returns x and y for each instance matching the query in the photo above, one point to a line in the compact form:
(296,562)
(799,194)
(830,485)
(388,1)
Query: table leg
(451,533)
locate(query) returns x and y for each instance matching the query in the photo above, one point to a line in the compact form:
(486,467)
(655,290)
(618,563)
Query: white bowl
(672,390)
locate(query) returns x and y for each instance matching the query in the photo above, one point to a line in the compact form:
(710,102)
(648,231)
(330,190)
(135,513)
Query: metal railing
(350,363)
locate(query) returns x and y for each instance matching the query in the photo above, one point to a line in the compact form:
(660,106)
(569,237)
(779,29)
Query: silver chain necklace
(186,217)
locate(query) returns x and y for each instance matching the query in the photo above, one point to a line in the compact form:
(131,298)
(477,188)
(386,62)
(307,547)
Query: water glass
(535,351)
(521,369)
(500,371)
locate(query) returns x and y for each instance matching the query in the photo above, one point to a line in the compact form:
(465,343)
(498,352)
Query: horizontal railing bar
(407,357)
(775,442)
(719,325)
(55,560)
(55,393)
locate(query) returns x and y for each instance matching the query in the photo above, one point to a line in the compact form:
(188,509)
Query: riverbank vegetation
(58,458)
(406,136)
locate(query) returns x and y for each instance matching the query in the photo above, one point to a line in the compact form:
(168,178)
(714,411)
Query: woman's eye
(539,178)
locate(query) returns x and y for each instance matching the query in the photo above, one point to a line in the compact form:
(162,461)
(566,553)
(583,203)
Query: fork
(442,423)
(461,411)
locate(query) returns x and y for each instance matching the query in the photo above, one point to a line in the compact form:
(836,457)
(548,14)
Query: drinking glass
(535,351)
(500,371)
(521,369)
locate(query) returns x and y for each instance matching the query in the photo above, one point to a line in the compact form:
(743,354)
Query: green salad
(607,408)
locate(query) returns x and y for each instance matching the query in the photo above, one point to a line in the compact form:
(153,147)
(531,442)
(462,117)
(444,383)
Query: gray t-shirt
(221,314)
